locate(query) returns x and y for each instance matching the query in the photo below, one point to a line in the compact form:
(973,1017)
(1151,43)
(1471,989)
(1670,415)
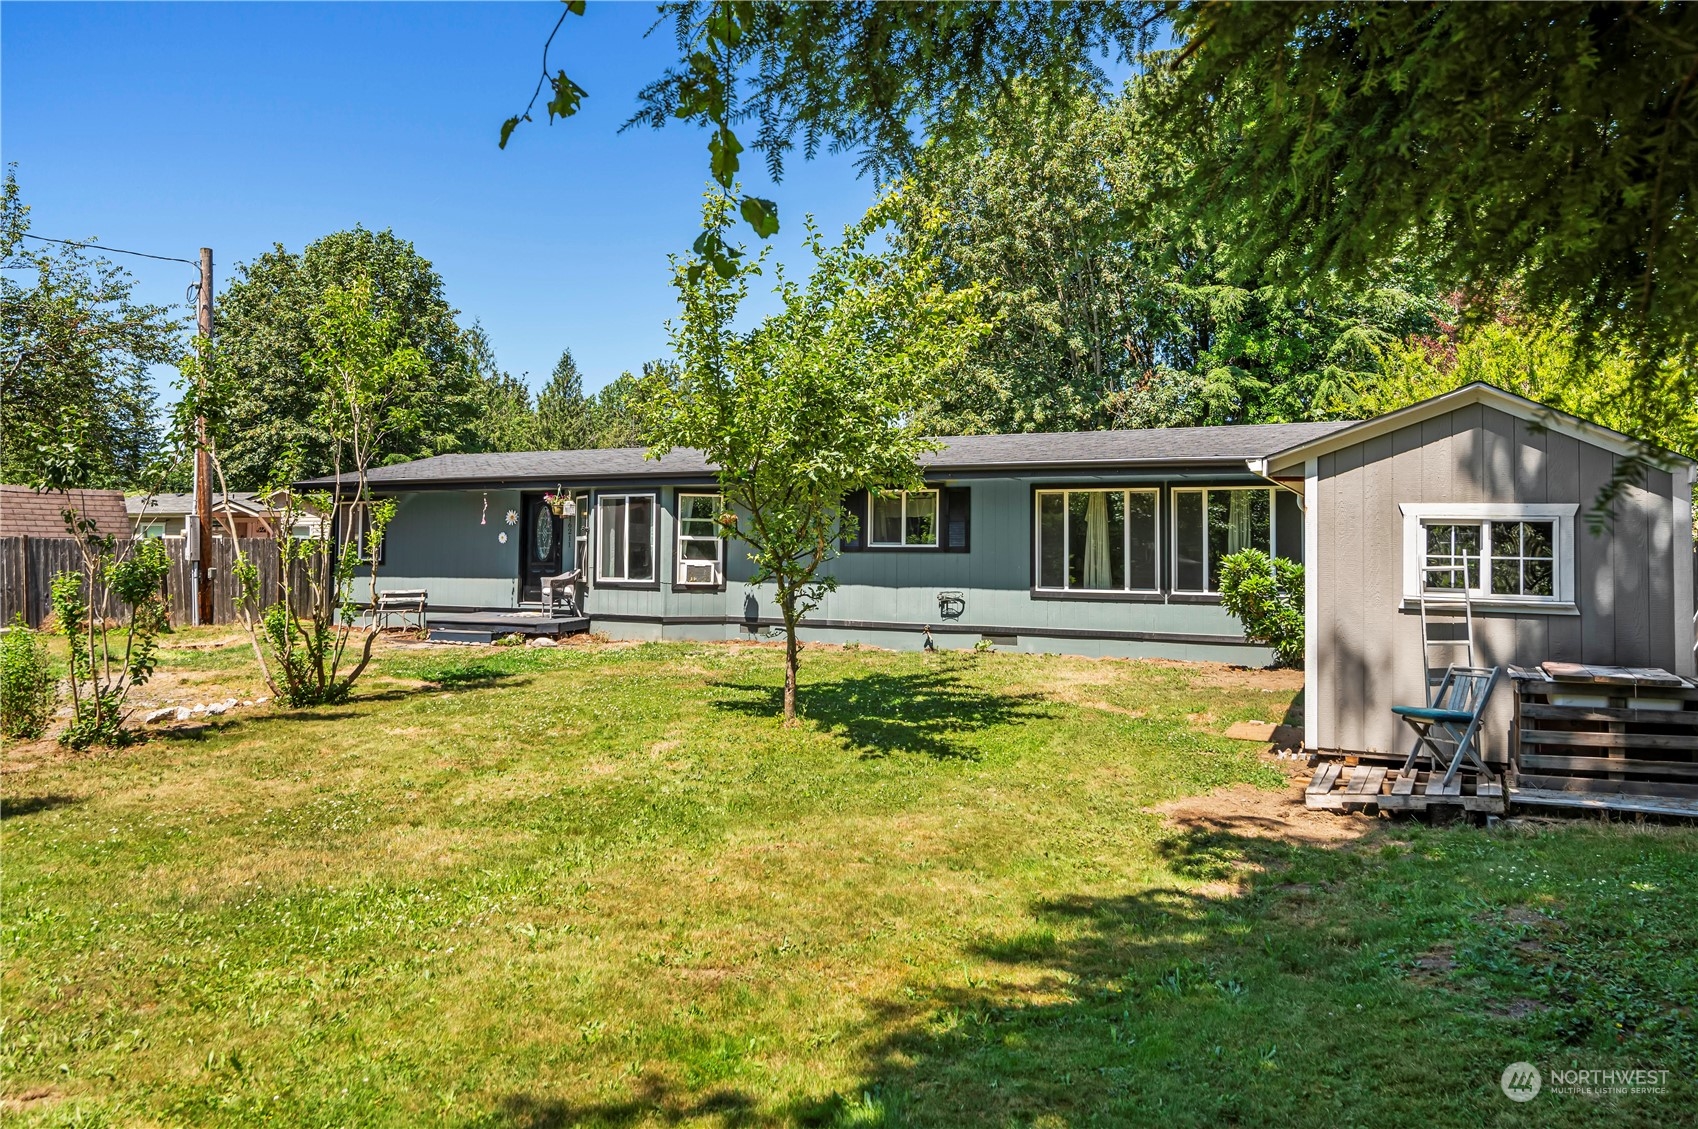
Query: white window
(625,527)
(1097,541)
(1213,523)
(904,517)
(1512,554)
(700,547)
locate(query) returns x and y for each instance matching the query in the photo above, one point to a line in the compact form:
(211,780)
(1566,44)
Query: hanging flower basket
(560,504)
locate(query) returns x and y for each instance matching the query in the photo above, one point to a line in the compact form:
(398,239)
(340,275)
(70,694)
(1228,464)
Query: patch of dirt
(19,1103)
(1514,1009)
(1244,809)
(1434,965)
(1226,677)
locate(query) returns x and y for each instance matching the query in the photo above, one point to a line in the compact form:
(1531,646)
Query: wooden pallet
(1340,787)
(1605,738)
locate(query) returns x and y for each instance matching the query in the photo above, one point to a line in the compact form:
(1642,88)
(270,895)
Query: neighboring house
(27,512)
(252,513)
(1109,543)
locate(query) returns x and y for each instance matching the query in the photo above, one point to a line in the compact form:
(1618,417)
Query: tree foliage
(812,404)
(76,406)
(27,685)
(1107,311)
(265,334)
(506,419)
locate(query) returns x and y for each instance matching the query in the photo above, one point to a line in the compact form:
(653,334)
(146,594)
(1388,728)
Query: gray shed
(1487,484)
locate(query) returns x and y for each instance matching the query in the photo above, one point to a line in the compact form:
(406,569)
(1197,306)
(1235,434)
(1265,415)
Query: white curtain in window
(1097,574)
(1238,522)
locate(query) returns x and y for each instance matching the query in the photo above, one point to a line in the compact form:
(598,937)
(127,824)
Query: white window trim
(1417,515)
(654,522)
(1273,530)
(1067,535)
(937,521)
(719,559)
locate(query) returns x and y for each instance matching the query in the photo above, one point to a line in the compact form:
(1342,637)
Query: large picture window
(1097,541)
(625,526)
(700,547)
(1210,524)
(905,518)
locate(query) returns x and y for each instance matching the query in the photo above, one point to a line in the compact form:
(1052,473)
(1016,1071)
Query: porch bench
(402,602)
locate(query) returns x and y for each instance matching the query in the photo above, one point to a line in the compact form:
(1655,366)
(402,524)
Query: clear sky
(168,127)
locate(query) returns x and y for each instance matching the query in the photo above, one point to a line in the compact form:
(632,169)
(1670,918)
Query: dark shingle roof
(1164,446)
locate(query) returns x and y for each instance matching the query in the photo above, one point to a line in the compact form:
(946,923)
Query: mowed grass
(604,886)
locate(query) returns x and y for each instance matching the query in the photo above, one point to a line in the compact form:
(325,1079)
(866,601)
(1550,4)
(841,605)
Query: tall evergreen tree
(563,414)
(506,419)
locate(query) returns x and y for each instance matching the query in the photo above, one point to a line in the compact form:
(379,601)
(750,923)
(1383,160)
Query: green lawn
(603,886)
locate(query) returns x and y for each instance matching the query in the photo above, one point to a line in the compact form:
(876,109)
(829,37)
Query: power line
(113,250)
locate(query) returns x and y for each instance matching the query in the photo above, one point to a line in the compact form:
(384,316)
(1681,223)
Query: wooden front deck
(488,626)
(1585,739)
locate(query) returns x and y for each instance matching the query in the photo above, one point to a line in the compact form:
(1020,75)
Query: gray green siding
(885,597)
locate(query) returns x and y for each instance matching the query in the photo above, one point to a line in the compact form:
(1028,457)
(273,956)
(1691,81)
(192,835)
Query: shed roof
(1227,446)
(1476,393)
(28,512)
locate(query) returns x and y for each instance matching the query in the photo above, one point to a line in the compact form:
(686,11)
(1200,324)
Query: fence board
(29,564)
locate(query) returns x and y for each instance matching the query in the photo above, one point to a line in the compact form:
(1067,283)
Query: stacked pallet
(1605,738)
(1337,786)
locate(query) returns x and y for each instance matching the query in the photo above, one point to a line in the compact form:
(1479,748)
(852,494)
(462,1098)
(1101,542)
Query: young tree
(76,405)
(365,373)
(812,404)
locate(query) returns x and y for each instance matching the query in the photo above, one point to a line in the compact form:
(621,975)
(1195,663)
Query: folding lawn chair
(1449,728)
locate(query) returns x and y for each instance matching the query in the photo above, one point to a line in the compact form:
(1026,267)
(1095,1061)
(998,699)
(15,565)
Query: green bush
(26,682)
(1265,594)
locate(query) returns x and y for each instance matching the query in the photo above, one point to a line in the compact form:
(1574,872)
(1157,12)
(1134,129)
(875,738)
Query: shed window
(1521,554)
(1210,524)
(1097,540)
(905,518)
(626,527)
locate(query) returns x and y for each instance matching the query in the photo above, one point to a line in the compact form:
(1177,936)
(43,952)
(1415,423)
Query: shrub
(1265,594)
(26,682)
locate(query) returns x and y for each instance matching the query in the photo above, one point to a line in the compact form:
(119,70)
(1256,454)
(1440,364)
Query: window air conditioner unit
(701,572)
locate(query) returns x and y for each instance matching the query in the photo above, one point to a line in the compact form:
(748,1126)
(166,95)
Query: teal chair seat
(1428,713)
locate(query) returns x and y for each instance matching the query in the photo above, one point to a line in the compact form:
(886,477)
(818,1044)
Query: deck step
(459,635)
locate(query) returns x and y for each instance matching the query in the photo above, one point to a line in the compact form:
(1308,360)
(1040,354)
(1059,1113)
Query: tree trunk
(790,660)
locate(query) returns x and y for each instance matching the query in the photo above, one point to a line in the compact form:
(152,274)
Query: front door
(541,541)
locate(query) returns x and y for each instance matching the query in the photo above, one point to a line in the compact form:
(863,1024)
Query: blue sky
(167,127)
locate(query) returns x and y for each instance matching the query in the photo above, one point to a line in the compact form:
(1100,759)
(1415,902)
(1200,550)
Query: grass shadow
(12,808)
(879,714)
(654,1102)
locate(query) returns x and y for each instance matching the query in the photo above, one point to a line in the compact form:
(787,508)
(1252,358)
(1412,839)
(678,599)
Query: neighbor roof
(246,501)
(28,512)
(1230,445)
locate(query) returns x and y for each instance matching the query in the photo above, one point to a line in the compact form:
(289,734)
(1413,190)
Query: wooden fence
(29,564)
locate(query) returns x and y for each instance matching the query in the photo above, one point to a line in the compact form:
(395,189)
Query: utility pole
(203,464)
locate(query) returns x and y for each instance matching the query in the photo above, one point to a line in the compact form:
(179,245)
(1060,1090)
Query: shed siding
(1370,655)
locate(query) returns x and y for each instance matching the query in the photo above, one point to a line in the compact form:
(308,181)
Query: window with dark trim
(1213,522)
(1098,540)
(625,529)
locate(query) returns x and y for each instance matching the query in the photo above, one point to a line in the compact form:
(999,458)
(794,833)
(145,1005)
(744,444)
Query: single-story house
(1109,543)
(254,515)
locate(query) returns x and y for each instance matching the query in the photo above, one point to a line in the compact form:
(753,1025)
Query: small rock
(158,716)
(216,708)
(261,701)
(184,713)
(247,701)
(542,641)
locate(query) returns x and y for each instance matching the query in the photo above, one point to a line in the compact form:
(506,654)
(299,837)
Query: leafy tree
(564,420)
(1107,313)
(27,685)
(1553,146)
(615,410)
(265,334)
(361,359)
(506,420)
(812,404)
(76,406)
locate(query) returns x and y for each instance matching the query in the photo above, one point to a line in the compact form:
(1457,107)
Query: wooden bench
(402,602)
